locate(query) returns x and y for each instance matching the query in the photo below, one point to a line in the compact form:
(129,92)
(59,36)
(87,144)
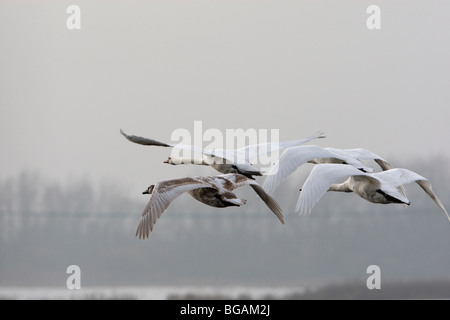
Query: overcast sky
(151,67)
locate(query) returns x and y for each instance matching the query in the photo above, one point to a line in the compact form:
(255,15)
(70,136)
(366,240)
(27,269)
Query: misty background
(70,184)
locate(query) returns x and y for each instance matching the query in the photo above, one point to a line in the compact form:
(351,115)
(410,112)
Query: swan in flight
(292,158)
(215,191)
(224,160)
(378,187)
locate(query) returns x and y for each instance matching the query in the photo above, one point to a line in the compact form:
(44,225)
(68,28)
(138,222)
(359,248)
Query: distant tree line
(30,193)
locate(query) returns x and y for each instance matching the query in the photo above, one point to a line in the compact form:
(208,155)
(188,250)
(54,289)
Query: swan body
(292,158)
(215,191)
(380,187)
(224,160)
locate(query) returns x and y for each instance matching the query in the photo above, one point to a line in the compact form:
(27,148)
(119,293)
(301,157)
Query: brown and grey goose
(215,191)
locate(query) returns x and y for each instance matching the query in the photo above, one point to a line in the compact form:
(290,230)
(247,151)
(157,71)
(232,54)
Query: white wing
(246,154)
(239,156)
(364,154)
(426,186)
(294,157)
(320,179)
(289,161)
(358,153)
(395,178)
(163,194)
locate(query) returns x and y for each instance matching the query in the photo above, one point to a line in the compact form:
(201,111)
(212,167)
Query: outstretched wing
(246,154)
(398,177)
(144,141)
(385,165)
(269,201)
(426,186)
(151,142)
(364,154)
(291,160)
(253,151)
(233,181)
(320,179)
(163,194)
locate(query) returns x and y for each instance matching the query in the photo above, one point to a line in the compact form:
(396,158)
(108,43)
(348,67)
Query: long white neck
(340,187)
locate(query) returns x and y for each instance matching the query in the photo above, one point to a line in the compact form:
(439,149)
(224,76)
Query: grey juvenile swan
(224,160)
(380,187)
(215,191)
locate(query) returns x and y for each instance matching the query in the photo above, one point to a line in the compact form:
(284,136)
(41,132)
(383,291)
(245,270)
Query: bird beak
(146,192)
(166,161)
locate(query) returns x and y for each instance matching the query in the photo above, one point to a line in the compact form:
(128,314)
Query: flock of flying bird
(332,165)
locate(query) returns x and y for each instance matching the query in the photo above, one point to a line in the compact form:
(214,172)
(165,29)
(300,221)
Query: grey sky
(152,67)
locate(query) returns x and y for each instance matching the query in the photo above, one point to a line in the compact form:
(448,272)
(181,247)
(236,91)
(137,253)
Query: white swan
(220,164)
(294,157)
(379,187)
(215,191)
(224,160)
